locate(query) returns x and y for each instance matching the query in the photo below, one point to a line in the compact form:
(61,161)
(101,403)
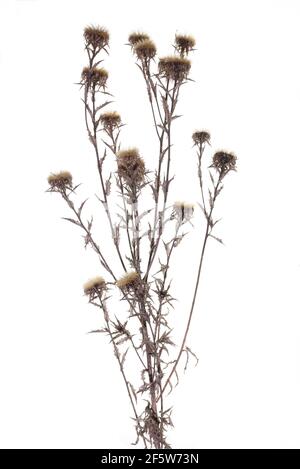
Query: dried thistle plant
(143,325)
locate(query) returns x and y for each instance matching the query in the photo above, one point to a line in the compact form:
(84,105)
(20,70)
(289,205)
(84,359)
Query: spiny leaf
(81,206)
(71,220)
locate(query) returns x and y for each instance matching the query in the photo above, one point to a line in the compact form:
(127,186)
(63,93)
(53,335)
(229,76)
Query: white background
(59,386)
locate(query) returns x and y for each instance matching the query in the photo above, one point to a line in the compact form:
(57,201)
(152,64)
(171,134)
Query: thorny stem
(169,112)
(88,234)
(206,236)
(117,355)
(93,138)
(114,148)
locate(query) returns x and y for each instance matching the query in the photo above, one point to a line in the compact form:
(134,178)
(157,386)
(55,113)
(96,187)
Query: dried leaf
(71,220)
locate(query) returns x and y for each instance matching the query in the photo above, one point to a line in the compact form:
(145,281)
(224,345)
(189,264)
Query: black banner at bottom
(135,458)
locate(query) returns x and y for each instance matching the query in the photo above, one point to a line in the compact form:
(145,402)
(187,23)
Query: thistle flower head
(60,181)
(129,281)
(145,49)
(94,77)
(183,211)
(131,167)
(94,287)
(110,120)
(174,67)
(200,137)
(184,43)
(136,37)
(224,161)
(96,37)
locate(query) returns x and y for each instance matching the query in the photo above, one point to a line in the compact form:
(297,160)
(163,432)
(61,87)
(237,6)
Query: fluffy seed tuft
(174,67)
(96,37)
(129,281)
(60,180)
(94,287)
(93,283)
(183,211)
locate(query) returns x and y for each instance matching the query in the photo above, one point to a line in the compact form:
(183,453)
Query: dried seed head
(136,37)
(174,67)
(60,181)
(201,136)
(145,50)
(184,44)
(96,37)
(224,161)
(129,281)
(110,120)
(94,77)
(97,283)
(94,287)
(183,211)
(131,167)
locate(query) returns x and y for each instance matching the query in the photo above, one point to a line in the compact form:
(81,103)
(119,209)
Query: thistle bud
(136,37)
(200,137)
(94,77)
(131,167)
(224,161)
(96,37)
(60,181)
(145,50)
(184,44)
(110,120)
(174,67)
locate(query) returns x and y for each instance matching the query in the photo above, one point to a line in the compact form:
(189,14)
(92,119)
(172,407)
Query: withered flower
(96,37)
(145,50)
(131,167)
(60,181)
(136,37)
(184,43)
(129,281)
(183,211)
(94,287)
(200,137)
(110,120)
(224,161)
(94,77)
(174,67)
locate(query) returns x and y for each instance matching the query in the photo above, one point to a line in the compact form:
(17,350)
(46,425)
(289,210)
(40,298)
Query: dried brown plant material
(60,180)
(110,120)
(129,281)
(142,246)
(200,137)
(94,287)
(131,167)
(183,211)
(145,50)
(184,43)
(174,67)
(136,37)
(224,161)
(94,77)
(96,37)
